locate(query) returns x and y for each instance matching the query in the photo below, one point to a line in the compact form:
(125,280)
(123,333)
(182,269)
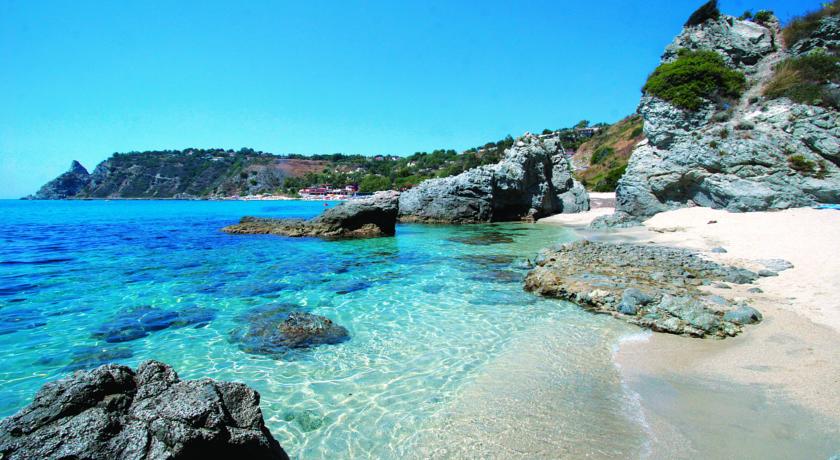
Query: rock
(66,185)
(114,412)
(743,315)
(699,158)
(777,265)
(274,331)
(719,250)
(139,322)
(533,180)
(652,286)
(368,217)
(826,36)
(767,273)
(755,290)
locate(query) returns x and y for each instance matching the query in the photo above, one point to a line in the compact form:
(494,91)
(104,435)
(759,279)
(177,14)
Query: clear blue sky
(82,79)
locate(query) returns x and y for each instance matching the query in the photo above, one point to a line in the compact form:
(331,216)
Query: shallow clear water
(433,322)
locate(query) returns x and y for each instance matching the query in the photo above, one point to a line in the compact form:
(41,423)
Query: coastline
(788,364)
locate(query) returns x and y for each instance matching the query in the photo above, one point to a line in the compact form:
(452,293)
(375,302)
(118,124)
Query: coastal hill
(741,115)
(217,173)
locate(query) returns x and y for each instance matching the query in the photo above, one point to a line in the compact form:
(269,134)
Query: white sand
(795,352)
(600,204)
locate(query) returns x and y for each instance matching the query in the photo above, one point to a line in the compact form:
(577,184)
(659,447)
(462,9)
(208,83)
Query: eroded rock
(654,287)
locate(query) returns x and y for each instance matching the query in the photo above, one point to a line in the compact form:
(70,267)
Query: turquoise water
(434,315)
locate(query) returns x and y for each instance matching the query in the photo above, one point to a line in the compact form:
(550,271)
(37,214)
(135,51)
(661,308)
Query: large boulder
(361,218)
(66,185)
(275,332)
(753,155)
(534,179)
(114,412)
(652,286)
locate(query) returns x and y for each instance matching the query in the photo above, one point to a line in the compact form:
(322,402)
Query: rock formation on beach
(66,185)
(534,179)
(362,218)
(652,286)
(758,151)
(114,412)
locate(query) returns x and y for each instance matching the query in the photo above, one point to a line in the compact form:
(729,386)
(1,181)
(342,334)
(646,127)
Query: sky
(83,79)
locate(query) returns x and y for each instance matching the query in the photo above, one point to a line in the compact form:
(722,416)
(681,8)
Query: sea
(447,356)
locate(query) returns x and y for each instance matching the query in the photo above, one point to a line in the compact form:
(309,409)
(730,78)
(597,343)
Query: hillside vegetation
(603,159)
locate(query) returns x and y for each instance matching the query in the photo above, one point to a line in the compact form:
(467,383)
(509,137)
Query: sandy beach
(790,360)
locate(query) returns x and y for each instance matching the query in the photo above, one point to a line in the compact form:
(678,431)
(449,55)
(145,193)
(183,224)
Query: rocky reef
(362,218)
(114,412)
(64,186)
(534,179)
(654,287)
(751,154)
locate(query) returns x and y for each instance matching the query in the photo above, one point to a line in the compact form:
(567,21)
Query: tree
(582,124)
(372,183)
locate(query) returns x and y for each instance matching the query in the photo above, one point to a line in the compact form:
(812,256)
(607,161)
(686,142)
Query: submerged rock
(276,331)
(139,322)
(654,287)
(533,180)
(362,218)
(114,412)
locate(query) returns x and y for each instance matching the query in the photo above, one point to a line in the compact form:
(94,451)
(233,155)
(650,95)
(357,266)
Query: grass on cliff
(805,79)
(607,154)
(804,26)
(694,78)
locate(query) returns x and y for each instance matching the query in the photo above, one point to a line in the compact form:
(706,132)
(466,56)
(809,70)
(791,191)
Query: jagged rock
(362,218)
(113,412)
(826,36)
(652,286)
(533,180)
(754,156)
(66,185)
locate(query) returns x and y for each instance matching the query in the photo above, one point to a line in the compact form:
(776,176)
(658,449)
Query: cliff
(733,119)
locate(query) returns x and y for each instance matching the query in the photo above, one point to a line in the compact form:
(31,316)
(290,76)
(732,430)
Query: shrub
(637,132)
(804,79)
(713,144)
(747,15)
(601,154)
(801,164)
(745,125)
(372,183)
(763,16)
(704,13)
(804,26)
(693,78)
(610,180)
(724,133)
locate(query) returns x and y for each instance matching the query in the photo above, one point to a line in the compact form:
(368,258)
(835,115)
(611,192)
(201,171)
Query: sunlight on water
(434,315)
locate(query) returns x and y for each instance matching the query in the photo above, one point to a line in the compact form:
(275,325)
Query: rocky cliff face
(757,154)
(66,185)
(533,180)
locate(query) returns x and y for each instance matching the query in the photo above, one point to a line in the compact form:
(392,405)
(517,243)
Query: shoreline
(789,360)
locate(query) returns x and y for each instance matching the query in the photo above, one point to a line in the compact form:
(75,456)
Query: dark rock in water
(13,320)
(432,288)
(138,322)
(276,332)
(91,357)
(353,286)
(362,218)
(482,239)
(498,276)
(652,286)
(488,260)
(113,412)
(743,315)
(66,185)
(307,420)
(534,179)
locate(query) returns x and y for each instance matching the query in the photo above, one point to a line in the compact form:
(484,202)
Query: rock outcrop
(66,185)
(368,217)
(654,287)
(114,412)
(534,179)
(756,154)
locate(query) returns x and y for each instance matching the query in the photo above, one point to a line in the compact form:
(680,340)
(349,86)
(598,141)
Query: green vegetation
(806,79)
(695,77)
(704,13)
(607,154)
(804,26)
(801,164)
(763,17)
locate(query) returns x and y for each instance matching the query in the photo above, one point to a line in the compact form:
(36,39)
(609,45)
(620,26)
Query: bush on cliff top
(804,26)
(805,80)
(704,13)
(696,76)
